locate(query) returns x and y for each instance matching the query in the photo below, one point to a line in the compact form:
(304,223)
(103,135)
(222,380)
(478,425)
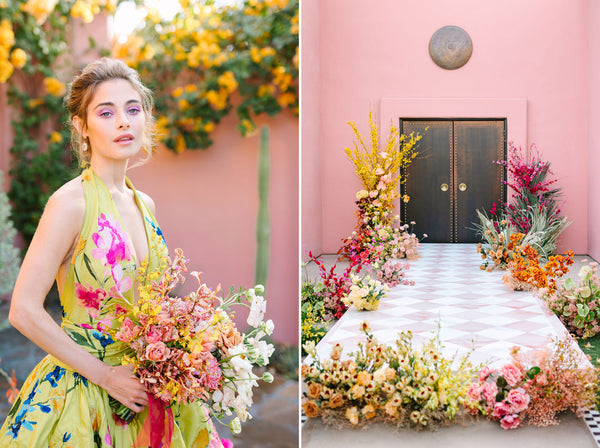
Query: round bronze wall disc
(450,47)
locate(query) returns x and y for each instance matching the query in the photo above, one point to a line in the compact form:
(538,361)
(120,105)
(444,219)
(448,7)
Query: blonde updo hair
(82,90)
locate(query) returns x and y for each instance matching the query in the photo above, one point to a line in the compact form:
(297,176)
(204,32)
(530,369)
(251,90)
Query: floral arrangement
(12,392)
(313,317)
(577,306)
(365,293)
(182,348)
(399,384)
(535,386)
(381,242)
(381,170)
(500,241)
(534,206)
(391,273)
(334,287)
(526,274)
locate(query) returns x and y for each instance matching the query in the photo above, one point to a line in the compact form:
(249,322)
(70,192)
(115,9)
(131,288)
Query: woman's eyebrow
(108,103)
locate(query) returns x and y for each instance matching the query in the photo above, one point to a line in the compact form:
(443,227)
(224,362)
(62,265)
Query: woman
(65,400)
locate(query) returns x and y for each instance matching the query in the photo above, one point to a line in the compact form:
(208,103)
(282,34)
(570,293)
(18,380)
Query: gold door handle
(444,187)
(462,187)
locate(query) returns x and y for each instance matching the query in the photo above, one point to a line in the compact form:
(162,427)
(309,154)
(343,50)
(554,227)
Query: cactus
(263,226)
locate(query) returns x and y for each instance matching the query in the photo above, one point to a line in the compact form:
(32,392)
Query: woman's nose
(123,121)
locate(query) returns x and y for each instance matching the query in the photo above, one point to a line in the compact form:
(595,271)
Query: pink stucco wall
(375,53)
(311,238)
(594,129)
(207,202)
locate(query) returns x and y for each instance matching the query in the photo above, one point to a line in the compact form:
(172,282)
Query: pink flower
(512,374)
(211,376)
(89,297)
(489,392)
(157,351)
(126,333)
(111,243)
(510,421)
(154,335)
(485,372)
(474,392)
(227,443)
(501,409)
(519,399)
(122,283)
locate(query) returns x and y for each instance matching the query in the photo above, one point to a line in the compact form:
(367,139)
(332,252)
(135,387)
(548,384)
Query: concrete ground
(275,409)
(571,432)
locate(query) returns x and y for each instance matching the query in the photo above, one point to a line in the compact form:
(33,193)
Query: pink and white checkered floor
(472,307)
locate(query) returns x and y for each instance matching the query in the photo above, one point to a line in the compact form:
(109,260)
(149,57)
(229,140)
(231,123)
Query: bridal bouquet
(182,348)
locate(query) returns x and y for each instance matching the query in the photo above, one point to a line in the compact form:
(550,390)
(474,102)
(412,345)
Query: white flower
(257,310)
(239,359)
(309,347)
(235,426)
(267,377)
(269,326)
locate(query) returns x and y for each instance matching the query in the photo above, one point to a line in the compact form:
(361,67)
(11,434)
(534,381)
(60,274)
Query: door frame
(504,188)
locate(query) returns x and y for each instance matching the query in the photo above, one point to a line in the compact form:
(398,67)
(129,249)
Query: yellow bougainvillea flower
(54,87)
(228,81)
(39,9)
(7,36)
(266,90)
(285,99)
(18,58)
(180,144)
(83,10)
(56,137)
(6,70)
(209,127)
(32,104)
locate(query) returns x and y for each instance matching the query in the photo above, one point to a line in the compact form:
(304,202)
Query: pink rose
(474,392)
(154,335)
(519,399)
(510,421)
(512,374)
(157,351)
(485,372)
(501,409)
(489,392)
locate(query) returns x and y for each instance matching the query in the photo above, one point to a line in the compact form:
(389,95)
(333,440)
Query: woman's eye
(106,113)
(134,110)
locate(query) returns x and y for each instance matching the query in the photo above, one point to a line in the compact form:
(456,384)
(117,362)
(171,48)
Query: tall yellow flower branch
(381,170)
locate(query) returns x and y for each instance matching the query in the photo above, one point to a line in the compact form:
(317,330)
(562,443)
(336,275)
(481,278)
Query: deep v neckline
(117,214)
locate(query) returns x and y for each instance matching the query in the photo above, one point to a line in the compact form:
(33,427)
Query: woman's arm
(53,241)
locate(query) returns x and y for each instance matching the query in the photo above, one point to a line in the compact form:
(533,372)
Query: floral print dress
(56,406)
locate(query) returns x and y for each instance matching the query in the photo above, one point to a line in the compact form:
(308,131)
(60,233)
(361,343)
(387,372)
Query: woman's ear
(78,123)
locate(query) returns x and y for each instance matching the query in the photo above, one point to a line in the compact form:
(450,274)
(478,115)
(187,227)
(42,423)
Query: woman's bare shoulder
(68,201)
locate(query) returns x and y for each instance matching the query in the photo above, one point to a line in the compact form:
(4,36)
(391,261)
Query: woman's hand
(121,384)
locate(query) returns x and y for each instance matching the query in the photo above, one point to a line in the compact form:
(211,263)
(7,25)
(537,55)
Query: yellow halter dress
(58,407)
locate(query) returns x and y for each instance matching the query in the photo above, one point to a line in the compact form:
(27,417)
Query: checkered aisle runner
(473,308)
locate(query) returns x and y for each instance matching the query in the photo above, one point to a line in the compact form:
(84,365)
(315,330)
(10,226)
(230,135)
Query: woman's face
(115,121)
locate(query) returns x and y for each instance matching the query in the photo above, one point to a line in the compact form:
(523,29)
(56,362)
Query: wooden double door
(453,175)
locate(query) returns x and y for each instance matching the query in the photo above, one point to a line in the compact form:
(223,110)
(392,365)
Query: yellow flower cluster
(381,169)
(399,383)
(9,60)
(55,87)
(39,9)
(365,293)
(86,10)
